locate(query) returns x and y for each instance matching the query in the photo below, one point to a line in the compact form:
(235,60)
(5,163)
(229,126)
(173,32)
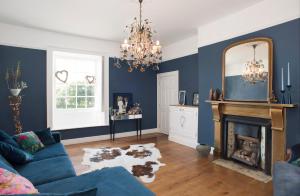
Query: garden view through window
(76,81)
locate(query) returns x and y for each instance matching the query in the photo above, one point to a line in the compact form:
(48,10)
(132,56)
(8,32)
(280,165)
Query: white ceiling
(174,20)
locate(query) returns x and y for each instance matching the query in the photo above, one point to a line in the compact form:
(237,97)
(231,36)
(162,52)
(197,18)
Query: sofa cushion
(56,135)
(4,137)
(14,155)
(51,151)
(286,179)
(45,136)
(11,183)
(119,180)
(48,170)
(6,165)
(29,141)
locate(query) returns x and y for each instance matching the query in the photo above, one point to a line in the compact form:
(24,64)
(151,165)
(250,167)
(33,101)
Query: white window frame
(51,102)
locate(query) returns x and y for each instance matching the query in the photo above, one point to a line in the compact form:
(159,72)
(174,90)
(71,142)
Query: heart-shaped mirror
(90,79)
(62,75)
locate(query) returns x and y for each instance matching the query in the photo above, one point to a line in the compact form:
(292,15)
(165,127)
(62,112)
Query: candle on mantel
(282,82)
(289,76)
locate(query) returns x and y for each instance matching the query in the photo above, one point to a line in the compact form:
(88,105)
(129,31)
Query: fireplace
(247,140)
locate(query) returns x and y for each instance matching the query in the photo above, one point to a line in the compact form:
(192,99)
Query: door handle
(182,120)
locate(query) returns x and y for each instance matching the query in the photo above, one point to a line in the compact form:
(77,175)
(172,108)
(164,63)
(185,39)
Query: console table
(115,118)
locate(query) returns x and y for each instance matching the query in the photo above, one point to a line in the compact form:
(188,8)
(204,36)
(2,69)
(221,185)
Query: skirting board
(183,141)
(106,137)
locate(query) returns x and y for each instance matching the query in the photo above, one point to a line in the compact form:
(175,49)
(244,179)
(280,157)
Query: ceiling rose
(139,50)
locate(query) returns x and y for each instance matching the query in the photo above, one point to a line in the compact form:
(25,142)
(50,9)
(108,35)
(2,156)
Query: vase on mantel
(15,91)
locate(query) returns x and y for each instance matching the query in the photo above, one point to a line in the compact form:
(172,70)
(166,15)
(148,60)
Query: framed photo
(181,97)
(122,102)
(195,98)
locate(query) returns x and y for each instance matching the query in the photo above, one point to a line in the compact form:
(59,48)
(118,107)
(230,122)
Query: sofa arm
(286,179)
(57,136)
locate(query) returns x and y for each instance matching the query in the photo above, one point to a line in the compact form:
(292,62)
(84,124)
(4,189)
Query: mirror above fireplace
(247,70)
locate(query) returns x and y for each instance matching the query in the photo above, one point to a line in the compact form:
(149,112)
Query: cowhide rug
(141,159)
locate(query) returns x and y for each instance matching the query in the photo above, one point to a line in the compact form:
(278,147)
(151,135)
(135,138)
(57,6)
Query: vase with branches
(13,79)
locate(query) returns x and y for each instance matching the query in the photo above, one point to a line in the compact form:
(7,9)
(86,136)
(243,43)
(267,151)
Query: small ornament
(62,75)
(210,95)
(216,94)
(273,98)
(221,96)
(90,79)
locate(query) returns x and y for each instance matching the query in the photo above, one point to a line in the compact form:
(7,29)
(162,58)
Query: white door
(167,94)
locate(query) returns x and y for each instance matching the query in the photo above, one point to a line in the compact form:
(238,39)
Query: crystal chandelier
(139,50)
(254,71)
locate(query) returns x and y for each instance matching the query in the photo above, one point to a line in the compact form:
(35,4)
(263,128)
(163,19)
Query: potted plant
(13,80)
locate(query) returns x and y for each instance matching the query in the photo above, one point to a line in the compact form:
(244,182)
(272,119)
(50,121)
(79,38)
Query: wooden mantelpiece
(275,112)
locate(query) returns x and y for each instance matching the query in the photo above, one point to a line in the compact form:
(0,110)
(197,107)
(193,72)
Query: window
(78,90)
(75,95)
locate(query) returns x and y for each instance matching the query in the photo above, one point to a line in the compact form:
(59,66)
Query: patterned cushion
(11,183)
(296,162)
(29,141)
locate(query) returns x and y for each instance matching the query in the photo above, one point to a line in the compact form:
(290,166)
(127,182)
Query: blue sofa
(51,171)
(286,179)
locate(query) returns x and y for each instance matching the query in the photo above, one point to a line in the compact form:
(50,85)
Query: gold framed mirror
(247,70)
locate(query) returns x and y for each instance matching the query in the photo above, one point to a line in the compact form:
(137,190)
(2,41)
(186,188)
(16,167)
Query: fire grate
(247,150)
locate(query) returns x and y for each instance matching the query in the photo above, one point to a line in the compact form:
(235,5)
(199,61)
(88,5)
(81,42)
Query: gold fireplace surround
(275,112)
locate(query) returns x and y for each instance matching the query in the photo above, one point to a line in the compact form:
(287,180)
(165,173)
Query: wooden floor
(185,173)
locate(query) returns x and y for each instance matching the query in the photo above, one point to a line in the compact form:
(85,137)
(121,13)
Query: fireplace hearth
(248,141)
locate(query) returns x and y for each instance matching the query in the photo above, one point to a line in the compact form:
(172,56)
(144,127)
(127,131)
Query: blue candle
(282,83)
(289,76)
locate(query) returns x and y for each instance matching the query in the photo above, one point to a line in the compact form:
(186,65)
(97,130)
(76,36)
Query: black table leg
(110,128)
(113,130)
(137,127)
(140,127)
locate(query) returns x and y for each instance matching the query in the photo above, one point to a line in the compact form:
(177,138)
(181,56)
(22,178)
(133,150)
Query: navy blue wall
(188,73)
(34,112)
(286,39)
(34,73)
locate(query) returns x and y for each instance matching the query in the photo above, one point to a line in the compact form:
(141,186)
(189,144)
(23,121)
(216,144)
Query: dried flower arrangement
(13,79)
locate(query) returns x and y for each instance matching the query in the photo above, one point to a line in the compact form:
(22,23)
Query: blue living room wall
(33,64)
(286,40)
(34,112)
(188,73)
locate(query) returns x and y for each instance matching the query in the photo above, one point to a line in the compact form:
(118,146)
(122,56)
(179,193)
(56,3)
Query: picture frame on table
(122,102)
(181,97)
(195,101)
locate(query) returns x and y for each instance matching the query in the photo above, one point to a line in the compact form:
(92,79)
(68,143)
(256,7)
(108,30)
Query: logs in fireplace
(248,141)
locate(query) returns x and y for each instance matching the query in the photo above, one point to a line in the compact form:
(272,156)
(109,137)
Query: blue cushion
(4,137)
(14,155)
(286,179)
(119,180)
(51,151)
(6,165)
(48,170)
(45,136)
(56,135)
